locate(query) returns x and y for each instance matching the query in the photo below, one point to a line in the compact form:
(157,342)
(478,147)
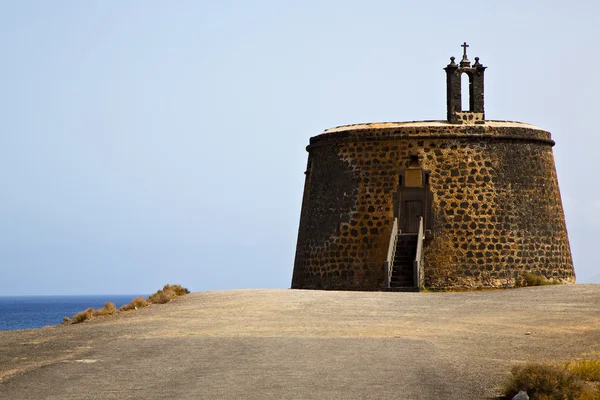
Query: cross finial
(464,46)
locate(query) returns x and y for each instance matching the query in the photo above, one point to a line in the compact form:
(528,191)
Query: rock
(522,395)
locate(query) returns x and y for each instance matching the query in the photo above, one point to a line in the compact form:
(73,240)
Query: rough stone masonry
(487,193)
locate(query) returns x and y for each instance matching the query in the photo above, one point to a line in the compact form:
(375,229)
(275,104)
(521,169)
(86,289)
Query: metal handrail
(389,262)
(418,256)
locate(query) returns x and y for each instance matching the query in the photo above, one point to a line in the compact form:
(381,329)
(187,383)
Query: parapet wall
(496,207)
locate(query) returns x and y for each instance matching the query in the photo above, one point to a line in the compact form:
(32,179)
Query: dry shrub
(66,320)
(544,381)
(126,307)
(139,302)
(83,316)
(108,309)
(531,279)
(136,303)
(159,297)
(590,393)
(167,293)
(588,370)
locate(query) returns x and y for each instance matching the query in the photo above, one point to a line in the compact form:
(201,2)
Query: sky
(152,142)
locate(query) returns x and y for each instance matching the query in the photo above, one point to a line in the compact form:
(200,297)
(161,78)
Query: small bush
(139,302)
(66,320)
(167,293)
(136,303)
(544,381)
(83,316)
(126,307)
(531,279)
(109,309)
(159,297)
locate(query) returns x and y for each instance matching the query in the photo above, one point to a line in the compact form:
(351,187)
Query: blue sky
(152,142)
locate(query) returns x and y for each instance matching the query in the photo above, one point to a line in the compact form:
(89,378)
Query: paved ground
(290,344)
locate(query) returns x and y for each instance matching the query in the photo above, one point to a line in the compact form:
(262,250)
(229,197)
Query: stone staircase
(402,275)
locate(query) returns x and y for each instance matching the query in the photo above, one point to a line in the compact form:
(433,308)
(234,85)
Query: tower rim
(436,130)
(429,123)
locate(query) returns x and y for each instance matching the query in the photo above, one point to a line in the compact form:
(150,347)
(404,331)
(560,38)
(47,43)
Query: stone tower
(461,203)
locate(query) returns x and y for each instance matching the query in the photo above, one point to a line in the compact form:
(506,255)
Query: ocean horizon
(26,312)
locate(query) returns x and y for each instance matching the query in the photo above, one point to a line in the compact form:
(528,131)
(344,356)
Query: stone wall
(496,208)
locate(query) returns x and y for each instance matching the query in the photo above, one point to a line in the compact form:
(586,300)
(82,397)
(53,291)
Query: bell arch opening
(465,92)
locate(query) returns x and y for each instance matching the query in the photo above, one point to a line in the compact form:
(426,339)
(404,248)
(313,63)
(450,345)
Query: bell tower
(454,74)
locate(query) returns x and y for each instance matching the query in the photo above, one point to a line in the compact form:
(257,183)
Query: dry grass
(167,293)
(127,307)
(588,370)
(138,302)
(83,316)
(531,279)
(573,380)
(108,309)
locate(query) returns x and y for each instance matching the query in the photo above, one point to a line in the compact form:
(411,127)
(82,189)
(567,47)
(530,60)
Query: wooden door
(413,210)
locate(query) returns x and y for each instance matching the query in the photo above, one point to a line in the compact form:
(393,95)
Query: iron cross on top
(464,46)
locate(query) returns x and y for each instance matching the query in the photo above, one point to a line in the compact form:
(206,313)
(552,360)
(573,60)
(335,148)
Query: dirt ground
(296,344)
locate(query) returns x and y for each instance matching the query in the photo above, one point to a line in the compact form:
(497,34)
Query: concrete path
(289,344)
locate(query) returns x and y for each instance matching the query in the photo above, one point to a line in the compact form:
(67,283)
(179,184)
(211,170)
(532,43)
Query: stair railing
(419,255)
(389,262)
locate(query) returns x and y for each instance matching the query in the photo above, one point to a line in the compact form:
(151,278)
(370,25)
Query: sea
(24,312)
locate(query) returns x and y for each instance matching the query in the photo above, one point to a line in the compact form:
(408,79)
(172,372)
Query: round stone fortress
(461,203)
